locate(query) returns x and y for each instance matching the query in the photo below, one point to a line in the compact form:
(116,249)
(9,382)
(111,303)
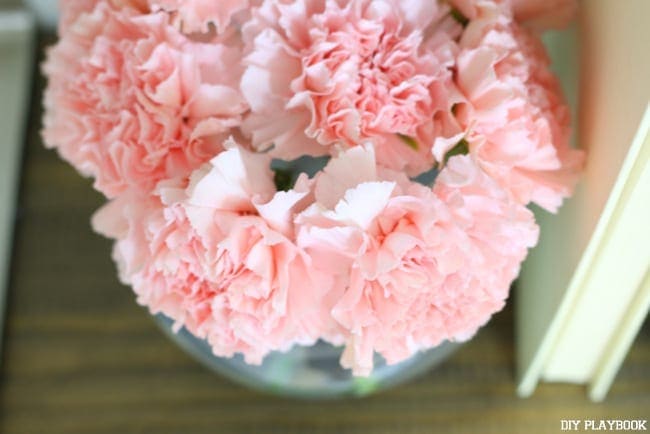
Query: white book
(581,294)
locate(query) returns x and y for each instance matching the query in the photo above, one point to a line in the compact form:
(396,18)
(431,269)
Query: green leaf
(365,386)
(283,179)
(410,141)
(458,16)
(461,148)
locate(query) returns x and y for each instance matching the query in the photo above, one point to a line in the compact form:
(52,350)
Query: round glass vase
(307,372)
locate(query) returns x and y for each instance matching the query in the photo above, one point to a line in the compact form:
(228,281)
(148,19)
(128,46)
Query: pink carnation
(328,73)
(130,101)
(544,14)
(217,257)
(196,15)
(71,10)
(416,267)
(534,14)
(146,97)
(517,123)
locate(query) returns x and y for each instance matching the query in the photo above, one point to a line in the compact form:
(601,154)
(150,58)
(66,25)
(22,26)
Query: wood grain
(82,358)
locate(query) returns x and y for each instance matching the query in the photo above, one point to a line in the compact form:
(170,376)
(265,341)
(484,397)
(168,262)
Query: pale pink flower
(326,74)
(517,122)
(545,14)
(143,96)
(216,256)
(70,10)
(196,15)
(415,267)
(131,101)
(535,14)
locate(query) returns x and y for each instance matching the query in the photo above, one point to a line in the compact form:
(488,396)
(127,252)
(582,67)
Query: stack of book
(585,290)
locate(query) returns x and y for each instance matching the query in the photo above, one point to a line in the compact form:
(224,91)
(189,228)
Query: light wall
(45,10)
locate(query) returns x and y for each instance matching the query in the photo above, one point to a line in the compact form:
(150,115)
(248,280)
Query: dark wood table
(81,357)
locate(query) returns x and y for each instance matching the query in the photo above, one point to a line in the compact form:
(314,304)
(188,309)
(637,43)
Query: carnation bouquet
(280,172)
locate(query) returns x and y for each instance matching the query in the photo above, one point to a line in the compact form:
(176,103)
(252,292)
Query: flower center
(369,82)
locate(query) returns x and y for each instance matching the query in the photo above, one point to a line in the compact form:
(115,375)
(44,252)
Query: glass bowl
(307,372)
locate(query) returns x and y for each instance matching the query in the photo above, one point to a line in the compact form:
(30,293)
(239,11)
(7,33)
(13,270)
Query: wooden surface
(82,358)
